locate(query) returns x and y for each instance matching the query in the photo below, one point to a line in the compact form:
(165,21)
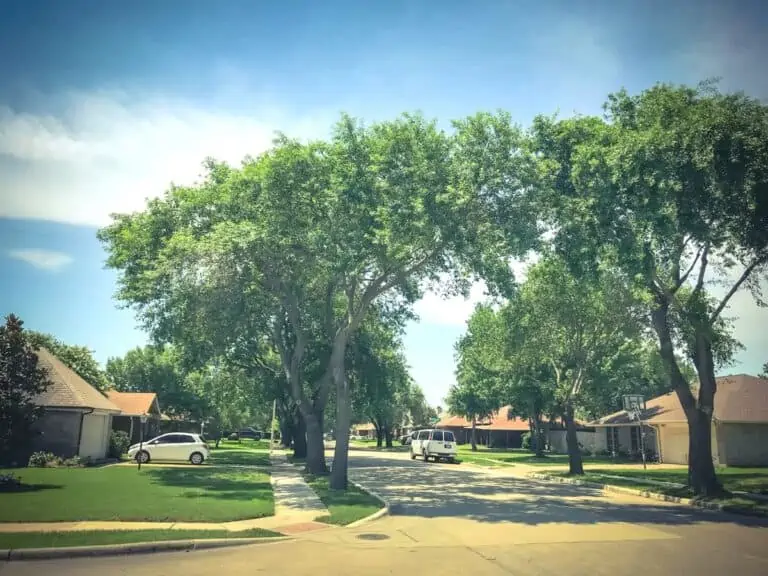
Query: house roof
(68,389)
(133,403)
(739,398)
(499,420)
(364,426)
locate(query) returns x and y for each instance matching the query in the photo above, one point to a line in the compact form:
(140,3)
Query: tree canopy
(21,380)
(79,358)
(295,247)
(670,188)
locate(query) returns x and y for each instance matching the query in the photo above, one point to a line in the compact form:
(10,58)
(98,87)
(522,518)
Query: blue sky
(102,104)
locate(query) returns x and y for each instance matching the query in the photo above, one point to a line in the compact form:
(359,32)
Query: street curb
(711,506)
(385,511)
(130,548)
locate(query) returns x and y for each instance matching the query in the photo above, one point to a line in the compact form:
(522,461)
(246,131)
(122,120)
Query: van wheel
(426,457)
(413,455)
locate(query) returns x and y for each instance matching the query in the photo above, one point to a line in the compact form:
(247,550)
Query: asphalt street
(448,519)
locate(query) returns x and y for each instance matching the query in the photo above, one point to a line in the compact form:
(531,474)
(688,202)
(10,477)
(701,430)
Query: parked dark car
(250,433)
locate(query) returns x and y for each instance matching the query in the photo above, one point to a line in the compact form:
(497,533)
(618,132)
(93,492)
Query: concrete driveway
(450,519)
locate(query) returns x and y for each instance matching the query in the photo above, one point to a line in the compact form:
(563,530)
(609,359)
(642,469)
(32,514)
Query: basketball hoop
(634,405)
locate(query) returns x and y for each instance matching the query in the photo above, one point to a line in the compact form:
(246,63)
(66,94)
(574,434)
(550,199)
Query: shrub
(118,443)
(9,483)
(43,459)
(603,453)
(234,436)
(526,441)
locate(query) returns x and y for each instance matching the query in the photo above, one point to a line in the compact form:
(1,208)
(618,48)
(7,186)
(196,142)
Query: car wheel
(413,455)
(196,458)
(142,457)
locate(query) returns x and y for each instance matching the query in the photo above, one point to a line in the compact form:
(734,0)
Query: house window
(612,439)
(634,435)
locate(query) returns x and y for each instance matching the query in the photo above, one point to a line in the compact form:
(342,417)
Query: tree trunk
(698,413)
(701,469)
(299,433)
(575,465)
(538,437)
(315,444)
(343,420)
(474,434)
(286,432)
(379,436)
(388,436)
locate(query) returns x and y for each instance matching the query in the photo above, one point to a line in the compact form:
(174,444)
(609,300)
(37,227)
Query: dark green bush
(118,443)
(526,439)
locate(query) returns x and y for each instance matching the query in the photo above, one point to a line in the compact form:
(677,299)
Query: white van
(436,444)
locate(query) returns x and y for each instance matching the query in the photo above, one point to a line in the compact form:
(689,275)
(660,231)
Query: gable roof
(134,403)
(739,398)
(68,389)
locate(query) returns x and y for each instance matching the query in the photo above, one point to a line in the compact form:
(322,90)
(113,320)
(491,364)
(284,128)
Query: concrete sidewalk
(296,507)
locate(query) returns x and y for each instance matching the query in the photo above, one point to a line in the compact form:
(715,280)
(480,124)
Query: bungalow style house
(133,406)
(739,425)
(503,430)
(77,418)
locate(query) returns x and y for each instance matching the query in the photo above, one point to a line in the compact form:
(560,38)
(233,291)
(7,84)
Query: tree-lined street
(448,519)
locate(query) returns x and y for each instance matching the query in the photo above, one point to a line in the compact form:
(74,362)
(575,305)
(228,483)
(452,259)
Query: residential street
(448,519)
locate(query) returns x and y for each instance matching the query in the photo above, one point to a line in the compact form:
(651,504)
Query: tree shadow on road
(432,491)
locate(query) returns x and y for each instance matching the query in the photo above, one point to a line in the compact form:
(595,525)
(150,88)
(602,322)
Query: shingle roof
(739,398)
(133,403)
(67,389)
(499,420)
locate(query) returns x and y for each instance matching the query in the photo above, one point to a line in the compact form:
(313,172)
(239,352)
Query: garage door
(95,435)
(674,444)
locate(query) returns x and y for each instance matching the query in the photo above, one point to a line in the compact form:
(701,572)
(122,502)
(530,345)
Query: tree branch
(702,269)
(681,280)
(747,271)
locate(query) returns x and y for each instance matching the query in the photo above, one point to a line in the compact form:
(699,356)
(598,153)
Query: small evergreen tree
(21,380)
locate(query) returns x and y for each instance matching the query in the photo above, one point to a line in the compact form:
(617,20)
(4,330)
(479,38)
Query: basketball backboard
(633,403)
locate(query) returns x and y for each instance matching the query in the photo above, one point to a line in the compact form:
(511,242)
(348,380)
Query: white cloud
(106,152)
(42,259)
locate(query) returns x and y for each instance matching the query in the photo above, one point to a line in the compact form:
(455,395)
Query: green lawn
(344,507)
(244,444)
(502,456)
(245,452)
(16,540)
(733,479)
(629,479)
(183,494)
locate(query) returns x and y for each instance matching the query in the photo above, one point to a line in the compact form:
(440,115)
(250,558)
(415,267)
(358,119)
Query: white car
(436,444)
(172,447)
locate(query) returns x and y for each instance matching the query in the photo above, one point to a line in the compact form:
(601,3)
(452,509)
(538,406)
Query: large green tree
(580,327)
(379,378)
(157,369)
(672,189)
(479,369)
(79,358)
(296,246)
(21,380)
